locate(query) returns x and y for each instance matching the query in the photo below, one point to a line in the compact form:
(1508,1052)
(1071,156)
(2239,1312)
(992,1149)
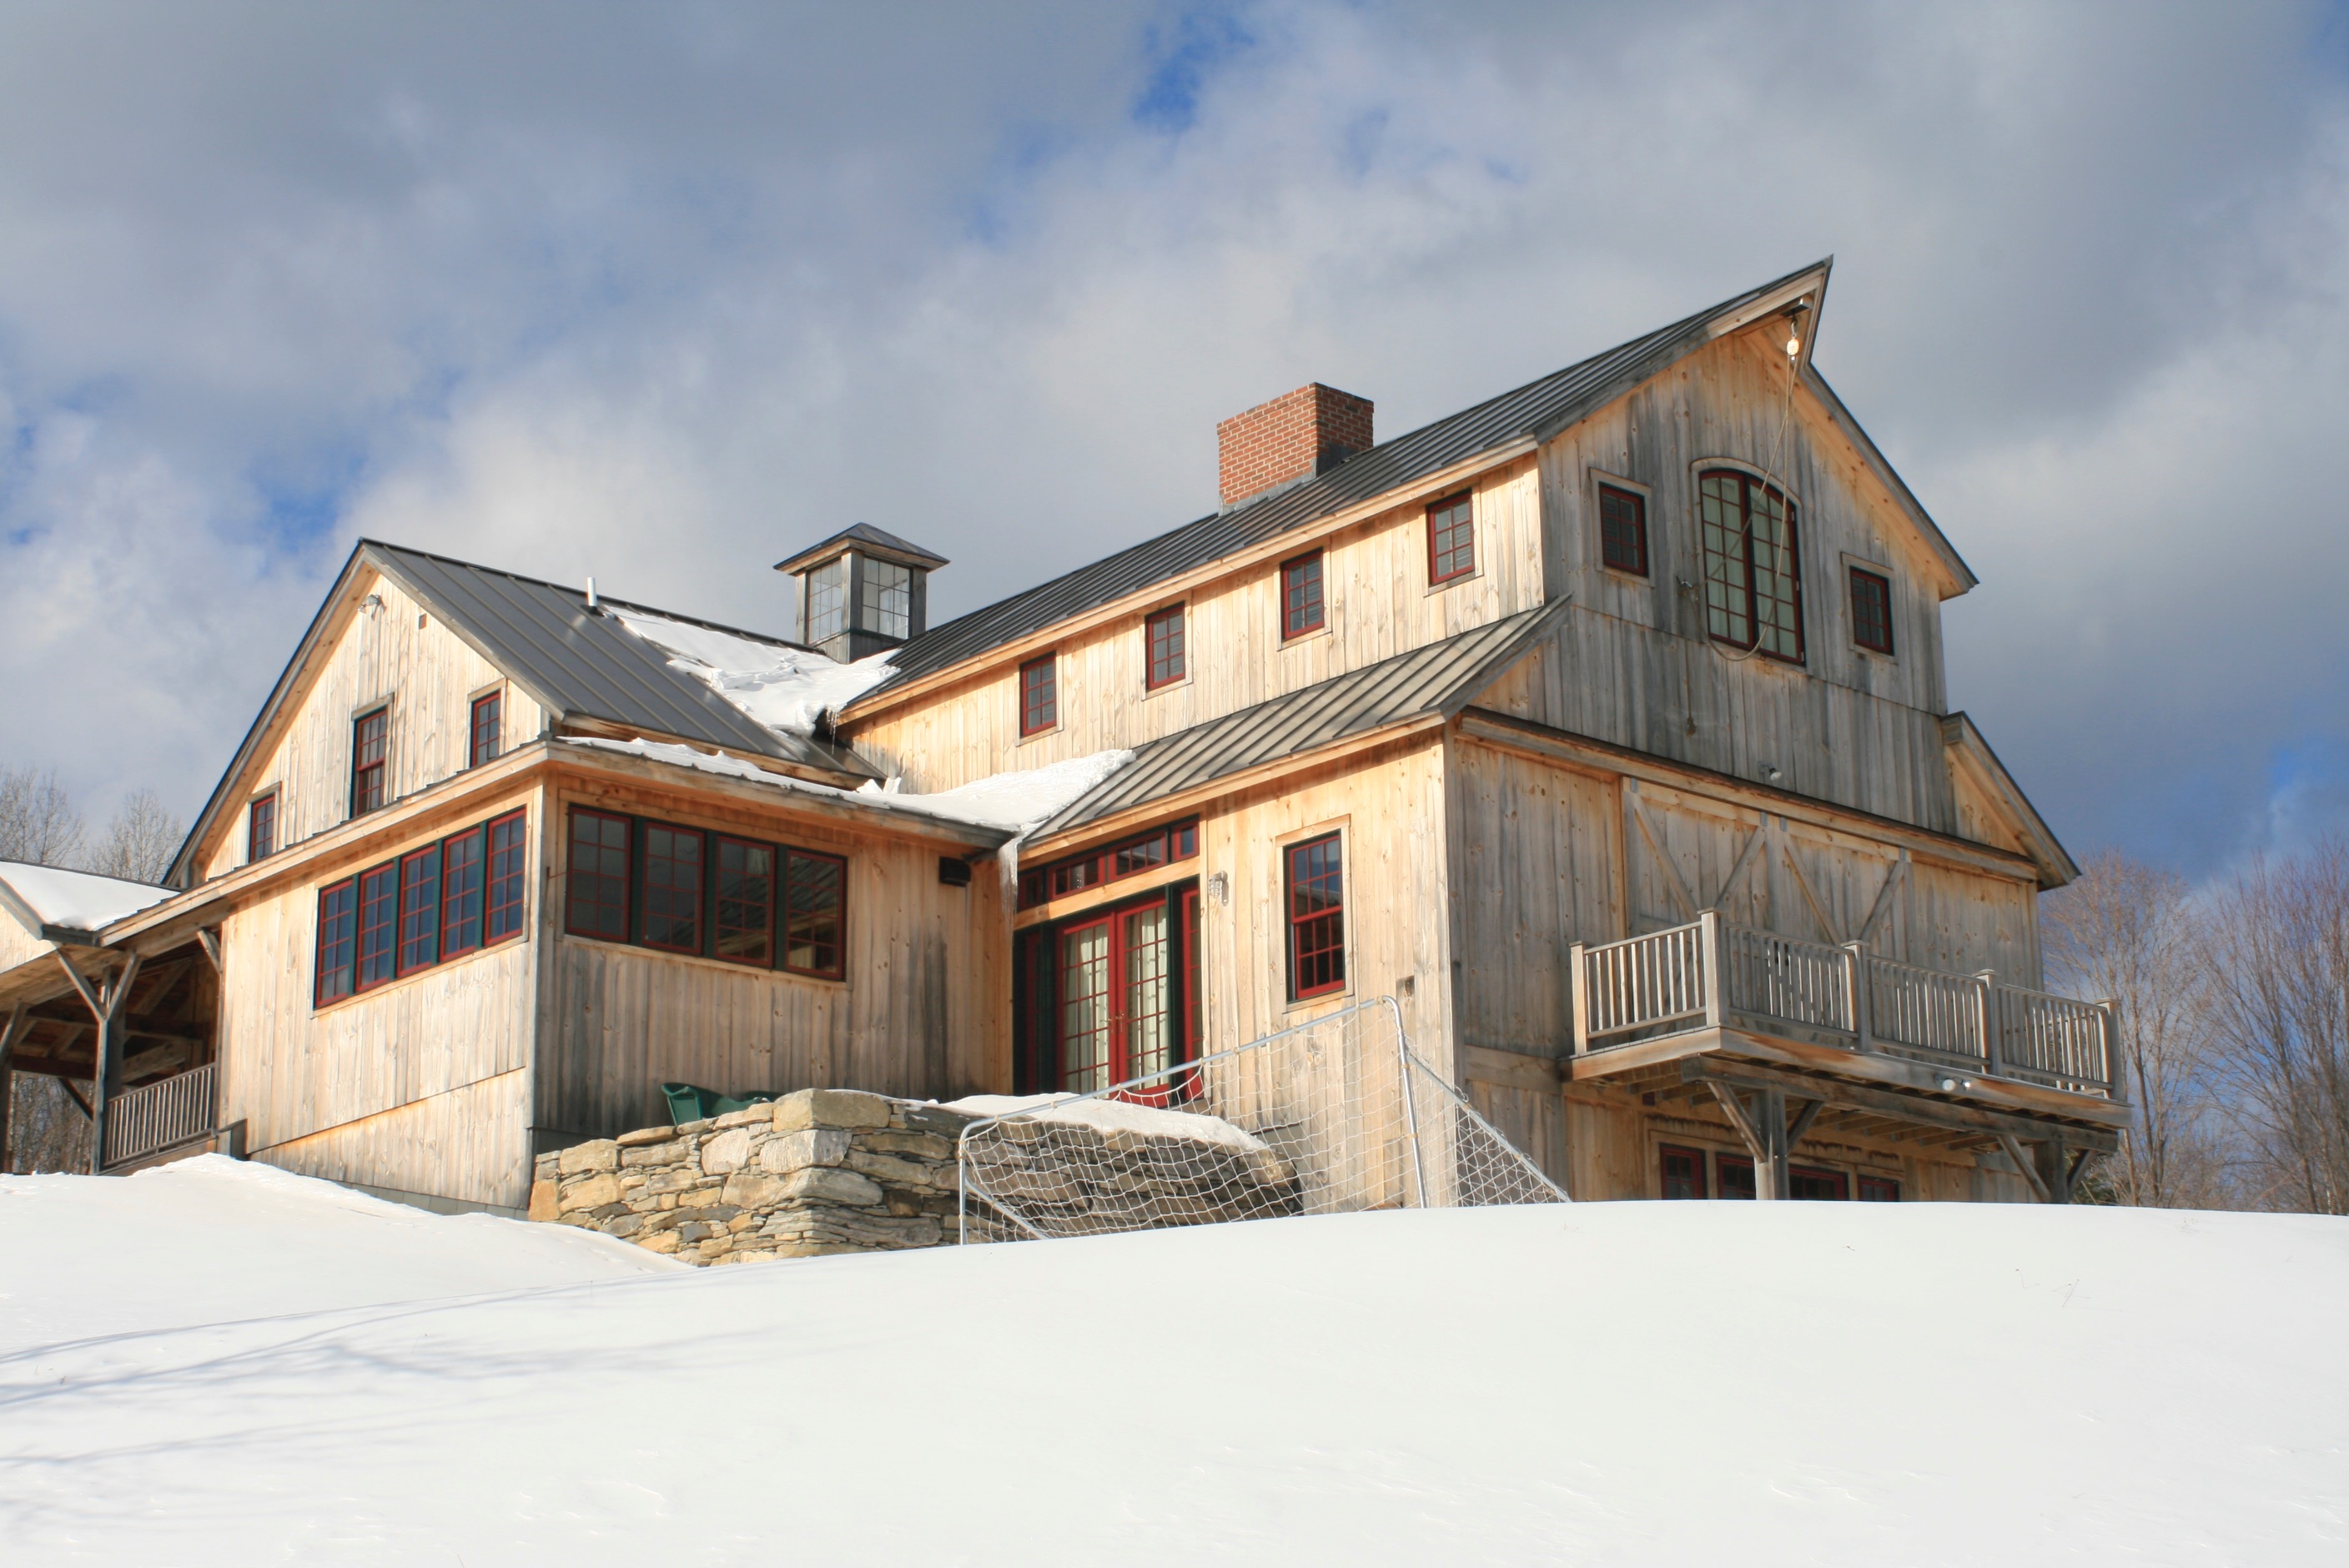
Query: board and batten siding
(922,1012)
(375,655)
(1379,602)
(394,1081)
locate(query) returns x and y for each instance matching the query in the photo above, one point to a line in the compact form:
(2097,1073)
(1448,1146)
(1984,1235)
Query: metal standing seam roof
(586,665)
(1435,679)
(1535,409)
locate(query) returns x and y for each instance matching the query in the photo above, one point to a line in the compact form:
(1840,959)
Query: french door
(1115,985)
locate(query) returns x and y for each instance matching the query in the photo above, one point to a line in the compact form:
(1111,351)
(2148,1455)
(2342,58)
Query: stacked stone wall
(818,1171)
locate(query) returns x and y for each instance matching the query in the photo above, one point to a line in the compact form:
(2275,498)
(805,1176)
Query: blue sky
(662,293)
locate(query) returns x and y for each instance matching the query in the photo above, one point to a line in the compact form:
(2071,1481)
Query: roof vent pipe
(592,606)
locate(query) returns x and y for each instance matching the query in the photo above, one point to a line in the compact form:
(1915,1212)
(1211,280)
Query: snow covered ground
(210,1364)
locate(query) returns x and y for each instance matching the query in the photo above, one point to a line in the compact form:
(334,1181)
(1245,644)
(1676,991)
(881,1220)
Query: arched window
(1752,566)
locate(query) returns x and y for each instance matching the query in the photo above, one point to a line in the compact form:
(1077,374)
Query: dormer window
(1752,569)
(861,592)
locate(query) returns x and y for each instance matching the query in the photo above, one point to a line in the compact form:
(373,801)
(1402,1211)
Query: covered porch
(1789,1039)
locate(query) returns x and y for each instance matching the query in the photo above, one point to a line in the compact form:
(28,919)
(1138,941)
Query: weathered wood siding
(375,655)
(1388,806)
(923,1011)
(313,1086)
(1379,603)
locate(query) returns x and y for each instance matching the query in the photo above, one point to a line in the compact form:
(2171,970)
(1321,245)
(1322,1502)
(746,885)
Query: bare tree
(2278,1002)
(141,841)
(2128,933)
(38,824)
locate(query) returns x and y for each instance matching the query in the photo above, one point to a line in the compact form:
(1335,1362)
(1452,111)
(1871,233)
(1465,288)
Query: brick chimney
(1307,432)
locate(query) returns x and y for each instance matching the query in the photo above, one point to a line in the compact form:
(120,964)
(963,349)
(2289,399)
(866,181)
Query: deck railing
(156,1116)
(1709,972)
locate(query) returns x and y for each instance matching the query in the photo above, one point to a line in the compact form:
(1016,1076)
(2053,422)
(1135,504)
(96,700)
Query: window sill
(723,965)
(1473,575)
(1342,994)
(1302,638)
(320,1009)
(1046,733)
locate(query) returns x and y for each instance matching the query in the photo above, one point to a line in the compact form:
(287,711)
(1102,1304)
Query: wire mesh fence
(1329,1117)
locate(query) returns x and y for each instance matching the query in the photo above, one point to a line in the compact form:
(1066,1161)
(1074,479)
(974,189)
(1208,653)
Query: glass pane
(1084,1010)
(1720,518)
(827,600)
(888,606)
(1145,992)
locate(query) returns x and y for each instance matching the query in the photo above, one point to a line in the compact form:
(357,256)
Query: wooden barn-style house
(1602,725)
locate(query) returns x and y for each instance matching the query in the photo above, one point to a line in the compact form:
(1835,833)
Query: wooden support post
(1716,980)
(1802,1124)
(1863,1021)
(2029,1168)
(2115,1066)
(1986,989)
(2056,1170)
(20,1024)
(1780,1183)
(1574,969)
(108,1003)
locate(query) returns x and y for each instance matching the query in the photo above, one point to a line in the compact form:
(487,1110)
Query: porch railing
(157,1115)
(1709,972)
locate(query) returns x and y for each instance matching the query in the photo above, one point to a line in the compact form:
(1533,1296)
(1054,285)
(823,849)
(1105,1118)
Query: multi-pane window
(260,828)
(509,860)
(815,914)
(827,600)
(1623,530)
(598,876)
(1451,539)
(1872,610)
(1040,695)
(484,737)
(422,909)
(672,889)
(1162,637)
(460,893)
(1879,1189)
(419,910)
(711,894)
(888,598)
(1114,990)
(1682,1171)
(746,901)
(1301,609)
(1752,589)
(1732,1176)
(378,924)
(368,733)
(1129,856)
(1805,1181)
(1317,918)
(338,927)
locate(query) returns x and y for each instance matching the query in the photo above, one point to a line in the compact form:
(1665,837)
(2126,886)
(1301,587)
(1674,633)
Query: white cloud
(662,294)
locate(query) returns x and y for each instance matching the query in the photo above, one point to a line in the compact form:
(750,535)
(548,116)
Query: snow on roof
(1112,1116)
(82,901)
(1014,802)
(780,687)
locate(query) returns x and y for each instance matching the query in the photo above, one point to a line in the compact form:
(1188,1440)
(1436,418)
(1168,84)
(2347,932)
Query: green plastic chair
(691,1102)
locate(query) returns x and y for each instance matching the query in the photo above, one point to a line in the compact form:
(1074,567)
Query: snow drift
(215,1364)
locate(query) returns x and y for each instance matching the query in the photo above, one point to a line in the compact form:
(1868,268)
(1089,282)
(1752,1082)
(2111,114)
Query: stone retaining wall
(821,1171)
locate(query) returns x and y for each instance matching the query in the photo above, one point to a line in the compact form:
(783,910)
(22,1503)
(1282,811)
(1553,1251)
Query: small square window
(1623,530)
(1682,1171)
(1040,697)
(1301,596)
(1871,611)
(1451,539)
(1164,635)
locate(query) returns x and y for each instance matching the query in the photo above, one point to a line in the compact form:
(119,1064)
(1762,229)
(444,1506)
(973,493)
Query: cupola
(861,592)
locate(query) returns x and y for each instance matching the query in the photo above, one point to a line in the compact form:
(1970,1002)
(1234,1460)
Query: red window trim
(628,874)
(643,895)
(1038,884)
(716,870)
(1180,664)
(380,767)
(785,854)
(1121,1065)
(1696,1156)
(489,881)
(400,967)
(1435,574)
(1291,628)
(1820,1173)
(1289,854)
(1890,1190)
(1884,586)
(1638,524)
(473,757)
(481,916)
(1031,722)
(319,970)
(252,810)
(360,984)
(1725,1163)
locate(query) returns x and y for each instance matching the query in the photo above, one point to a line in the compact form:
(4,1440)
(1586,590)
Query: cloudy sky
(661,292)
